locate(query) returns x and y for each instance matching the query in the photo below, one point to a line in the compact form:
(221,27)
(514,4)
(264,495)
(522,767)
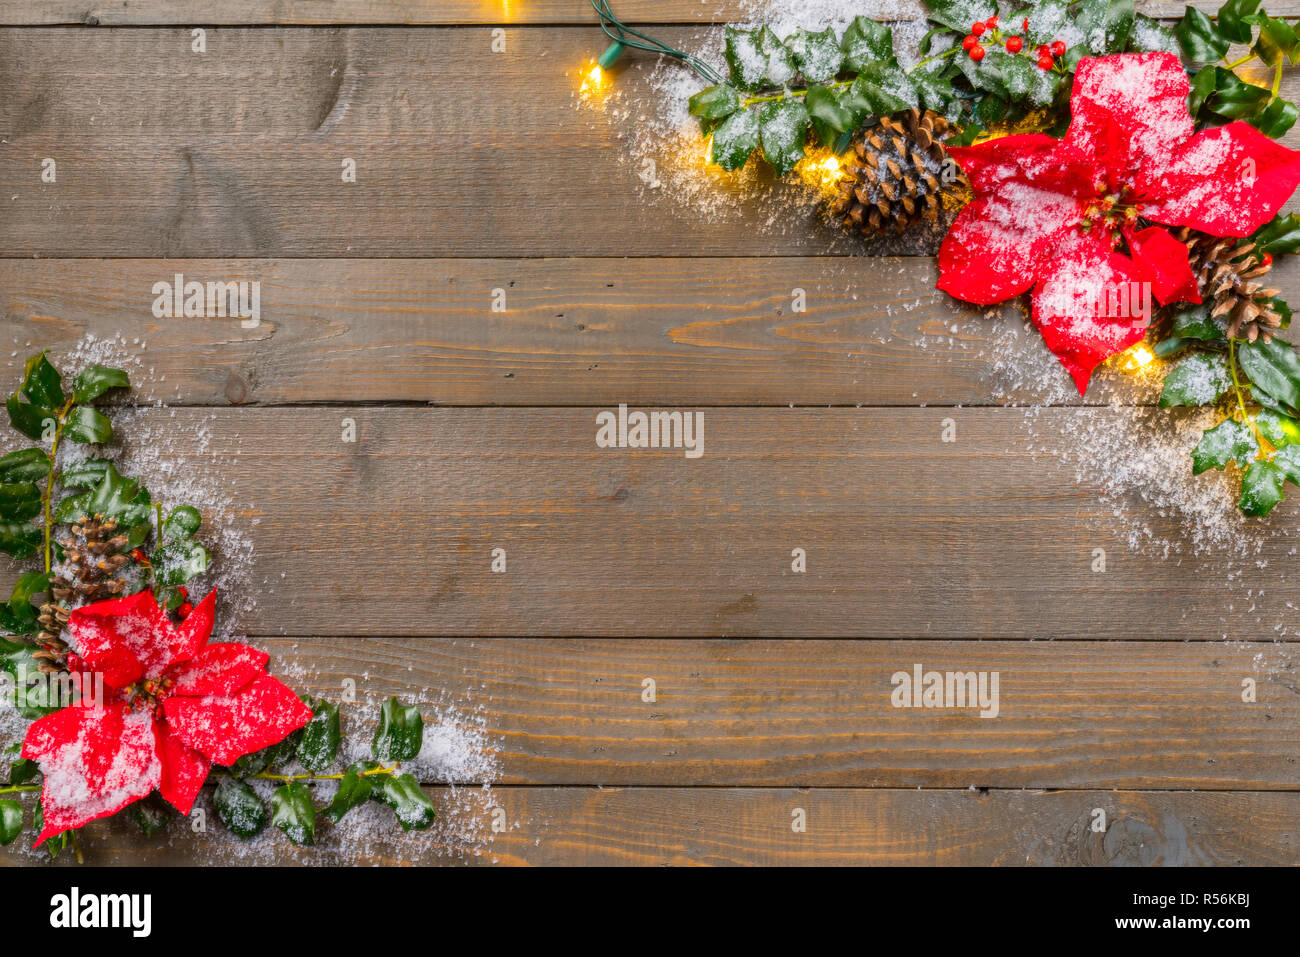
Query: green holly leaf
(1194,322)
(1107,25)
(182,523)
(1287,460)
(882,89)
(1204,83)
(87,425)
(23,771)
(817,55)
(1197,380)
(1276,118)
(25,465)
(354,790)
(293,813)
(403,794)
(757,58)
(1273,366)
(736,139)
(1261,488)
(242,811)
(400,733)
(11,821)
(866,41)
(1280,430)
(783,130)
(319,747)
(715,103)
(1199,39)
(20,540)
(1025,82)
(42,383)
(114,497)
(18,615)
(1231,23)
(1228,441)
(1234,98)
(33,421)
(150,815)
(1279,235)
(1277,40)
(84,474)
(95,380)
(19,501)
(175,563)
(829,118)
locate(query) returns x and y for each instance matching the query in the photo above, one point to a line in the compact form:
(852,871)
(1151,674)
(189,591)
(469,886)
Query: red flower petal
(1227,181)
(196,629)
(1074,304)
(1162,261)
(1030,191)
(226,728)
(1129,112)
(125,638)
(183,770)
(218,670)
(96,761)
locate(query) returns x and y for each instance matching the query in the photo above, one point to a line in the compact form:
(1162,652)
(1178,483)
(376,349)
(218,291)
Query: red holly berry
(1045,63)
(992,22)
(969,42)
(1025,25)
(1267,260)
(185,609)
(1058,48)
(1043,50)
(977,54)
(1015,44)
(183,590)
(138,556)
(977,28)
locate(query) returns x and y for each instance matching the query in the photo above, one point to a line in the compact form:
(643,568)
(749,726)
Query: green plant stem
(20,788)
(289,778)
(49,484)
(1277,78)
(1241,401)
(1246,59)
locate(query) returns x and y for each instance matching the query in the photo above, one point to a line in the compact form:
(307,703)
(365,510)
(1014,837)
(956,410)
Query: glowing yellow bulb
(830,168)
(1139,358)
(593,79)
(708,150)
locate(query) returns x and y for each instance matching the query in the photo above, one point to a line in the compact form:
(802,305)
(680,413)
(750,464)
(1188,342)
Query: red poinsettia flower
(1048,214)
(174,705)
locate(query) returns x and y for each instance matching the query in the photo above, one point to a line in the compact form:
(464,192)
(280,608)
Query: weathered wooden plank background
(477,172)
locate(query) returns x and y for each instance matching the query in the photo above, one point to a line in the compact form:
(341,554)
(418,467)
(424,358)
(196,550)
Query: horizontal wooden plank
(575,332)
(460,152)
(287,12)
(729,826)
(1132,715)
(906,536)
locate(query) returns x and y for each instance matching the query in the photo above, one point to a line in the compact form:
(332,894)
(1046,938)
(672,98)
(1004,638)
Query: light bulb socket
(611,54)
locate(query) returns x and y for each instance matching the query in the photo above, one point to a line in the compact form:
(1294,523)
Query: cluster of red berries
(1014,44)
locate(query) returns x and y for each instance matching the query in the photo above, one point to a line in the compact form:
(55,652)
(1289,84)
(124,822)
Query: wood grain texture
(460,152)
(677,332)
(906,536)
(305,12)
(1161,715)
(732,826)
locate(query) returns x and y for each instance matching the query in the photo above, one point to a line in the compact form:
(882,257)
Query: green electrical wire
(624,36)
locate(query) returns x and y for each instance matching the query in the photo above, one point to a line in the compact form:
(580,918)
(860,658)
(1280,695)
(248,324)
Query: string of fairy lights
(625,37)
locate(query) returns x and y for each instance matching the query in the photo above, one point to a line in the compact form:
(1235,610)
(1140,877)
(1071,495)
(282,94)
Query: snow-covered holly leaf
(1152,36)
(84,474)
(783,131)
(239,808)
(960,14)
(150,815)
(183,522)
(1194,322)
(865,41)
(293,813)
(1047,20)
(1197,380)
(1288,460)
(400,733)
(319,746)
(715,102)
(1228,441)
(829,117)
(1261,488)
(817,55)
(1106,25)
(735,139)
(403,794)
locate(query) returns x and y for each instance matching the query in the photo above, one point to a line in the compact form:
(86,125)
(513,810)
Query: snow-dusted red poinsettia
(1048,214)
(174,705)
